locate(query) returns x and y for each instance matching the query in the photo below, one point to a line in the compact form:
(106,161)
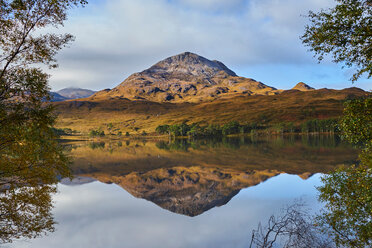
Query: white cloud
(214,5)
(120,37)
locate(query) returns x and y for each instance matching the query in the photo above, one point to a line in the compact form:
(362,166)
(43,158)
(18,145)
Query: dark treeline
(320,126)
(196,130)
(63,131)
(211,130)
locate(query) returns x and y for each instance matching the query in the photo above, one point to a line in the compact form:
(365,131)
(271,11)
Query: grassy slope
(296,106)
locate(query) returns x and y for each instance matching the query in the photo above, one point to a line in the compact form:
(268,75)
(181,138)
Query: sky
(258,39)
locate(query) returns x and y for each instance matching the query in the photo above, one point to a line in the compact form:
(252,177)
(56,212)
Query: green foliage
(320,126)
(214,130)
(356,124)
(96,133)
(347,192)
(162,129)
(348,197)
(62,131)
(127,134)
(344,32)
(29,153)
(231,128)
(280,127)
(26,212)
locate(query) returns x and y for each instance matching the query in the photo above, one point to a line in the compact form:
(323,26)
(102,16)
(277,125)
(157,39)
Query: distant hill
(70,94)
(185,77)
(55,97)
(75,93)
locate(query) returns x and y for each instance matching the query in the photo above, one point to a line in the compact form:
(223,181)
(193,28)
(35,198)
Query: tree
(347,192)
(293,227)
(231,127)
(344,32)
(356,123)
(29,153)
(24,118)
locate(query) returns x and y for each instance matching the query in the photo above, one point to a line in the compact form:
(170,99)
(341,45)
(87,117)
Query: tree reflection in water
(26,212)
(30,166)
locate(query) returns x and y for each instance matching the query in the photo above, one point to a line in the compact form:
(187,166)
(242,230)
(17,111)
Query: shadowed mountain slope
(55,97)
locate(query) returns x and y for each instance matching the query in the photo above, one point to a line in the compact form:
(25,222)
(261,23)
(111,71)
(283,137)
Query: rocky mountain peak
(186,77)
(188,63)
(302,87)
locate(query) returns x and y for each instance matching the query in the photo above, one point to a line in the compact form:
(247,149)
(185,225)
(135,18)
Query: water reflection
(31,162)
(191,177)
(100,215)
(142,193)
(26,212)
(188,191)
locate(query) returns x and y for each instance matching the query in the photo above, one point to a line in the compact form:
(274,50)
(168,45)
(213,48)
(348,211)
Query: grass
(135,117)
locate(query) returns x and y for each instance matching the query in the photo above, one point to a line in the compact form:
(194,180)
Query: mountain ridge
(70,93)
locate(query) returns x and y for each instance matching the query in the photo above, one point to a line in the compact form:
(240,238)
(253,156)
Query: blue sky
(255,38)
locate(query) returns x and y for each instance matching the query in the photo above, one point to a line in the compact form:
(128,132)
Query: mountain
(75,93)
(77,180)
(55,97)
(302,87)
(185,77)
(190,88)
(188,191)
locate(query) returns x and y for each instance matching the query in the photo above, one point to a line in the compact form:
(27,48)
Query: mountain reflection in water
(190,178)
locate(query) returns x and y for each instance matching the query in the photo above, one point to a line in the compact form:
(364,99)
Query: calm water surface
(185,194)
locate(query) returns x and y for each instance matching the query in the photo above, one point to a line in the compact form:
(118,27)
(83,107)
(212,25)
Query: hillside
(127,115)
